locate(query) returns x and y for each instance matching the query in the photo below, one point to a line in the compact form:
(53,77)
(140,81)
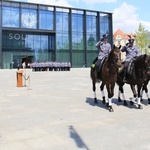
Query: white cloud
(146,25)
(66,2)
(98,1)
(126,19)
(52,2)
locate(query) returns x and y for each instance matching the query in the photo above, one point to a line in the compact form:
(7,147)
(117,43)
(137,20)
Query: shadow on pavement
(145,102)
(76,137)
(115,101)
(134,106)
(90,101)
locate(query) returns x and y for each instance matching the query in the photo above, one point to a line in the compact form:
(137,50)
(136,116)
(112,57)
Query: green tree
(142,40)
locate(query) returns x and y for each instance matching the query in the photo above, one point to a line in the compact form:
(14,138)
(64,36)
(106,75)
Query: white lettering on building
(18,37)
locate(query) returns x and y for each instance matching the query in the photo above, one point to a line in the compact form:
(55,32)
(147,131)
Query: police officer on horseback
(104,50)
(131,52)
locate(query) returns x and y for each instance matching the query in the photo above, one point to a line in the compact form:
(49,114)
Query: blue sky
(126,14)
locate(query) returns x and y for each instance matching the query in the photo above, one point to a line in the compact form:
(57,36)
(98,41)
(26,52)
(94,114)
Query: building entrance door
(28,60)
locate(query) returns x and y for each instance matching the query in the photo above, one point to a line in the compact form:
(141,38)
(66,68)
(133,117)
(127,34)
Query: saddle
(130,66)
(99,65)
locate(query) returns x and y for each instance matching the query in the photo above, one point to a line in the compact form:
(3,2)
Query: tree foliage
(142,40)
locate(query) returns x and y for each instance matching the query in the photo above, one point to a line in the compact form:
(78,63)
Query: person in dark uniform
(131,52)
(18,65)
(104,50)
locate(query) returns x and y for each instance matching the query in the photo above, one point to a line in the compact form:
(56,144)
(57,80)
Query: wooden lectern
(20,78)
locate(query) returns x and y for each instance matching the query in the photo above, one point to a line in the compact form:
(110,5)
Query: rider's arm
(138,52)
(109,48)
(98,44)
(123,49)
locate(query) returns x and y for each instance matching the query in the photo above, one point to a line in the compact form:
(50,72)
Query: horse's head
(116,55)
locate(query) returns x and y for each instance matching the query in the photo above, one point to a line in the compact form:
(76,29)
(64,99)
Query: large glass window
(62,35)
(62,41)
(104,24)
(62,19)
(91,40)
(91,55)
(29,18)
(17,45)
(91,30)
(46,18)
(10,16)
(77,22)
(63,56)
(77,41)
(77,58)
(77,30)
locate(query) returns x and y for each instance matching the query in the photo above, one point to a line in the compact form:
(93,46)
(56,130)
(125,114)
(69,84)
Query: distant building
(121,38)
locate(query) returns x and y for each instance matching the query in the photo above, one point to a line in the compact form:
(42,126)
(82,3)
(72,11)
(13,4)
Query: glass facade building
(40,33)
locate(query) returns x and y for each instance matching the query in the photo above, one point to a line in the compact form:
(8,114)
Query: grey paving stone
(57,112)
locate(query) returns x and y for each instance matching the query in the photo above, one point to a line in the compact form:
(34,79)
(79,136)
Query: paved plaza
(56,111)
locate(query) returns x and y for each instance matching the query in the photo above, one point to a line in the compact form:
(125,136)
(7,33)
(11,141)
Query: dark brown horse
(145,84)
(137,77)
(109,74)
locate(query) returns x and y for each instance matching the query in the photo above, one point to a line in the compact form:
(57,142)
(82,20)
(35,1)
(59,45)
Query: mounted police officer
(104,50)
(131,52)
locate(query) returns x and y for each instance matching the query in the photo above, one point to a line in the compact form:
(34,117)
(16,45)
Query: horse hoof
(110,109)
(140,107)
(125,103)
(119,99)
(131,103)
(103,101)
(95,100)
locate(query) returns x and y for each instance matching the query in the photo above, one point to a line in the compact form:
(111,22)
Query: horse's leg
(143,89)
(147,95)
(110,95)
(121,93)
(134,94)
(146,92)
(112,90)
(139,96)
(102,92)
(94,90)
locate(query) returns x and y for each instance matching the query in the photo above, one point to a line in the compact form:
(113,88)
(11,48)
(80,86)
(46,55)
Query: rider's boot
(98,76)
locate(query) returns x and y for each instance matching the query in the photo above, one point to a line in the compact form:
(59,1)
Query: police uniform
(131,52)
(104,50)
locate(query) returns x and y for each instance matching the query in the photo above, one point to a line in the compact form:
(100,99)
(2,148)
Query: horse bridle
(116,60)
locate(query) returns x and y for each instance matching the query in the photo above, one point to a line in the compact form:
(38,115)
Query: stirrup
(93,65)
(120,69)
